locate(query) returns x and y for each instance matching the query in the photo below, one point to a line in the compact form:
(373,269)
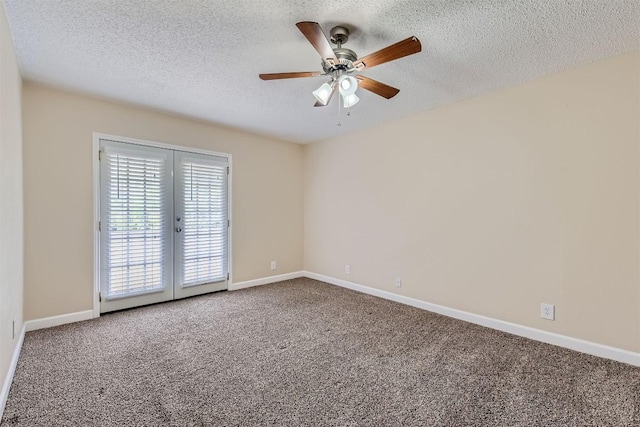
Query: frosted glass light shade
(350,100)
(347,85)
(323,93)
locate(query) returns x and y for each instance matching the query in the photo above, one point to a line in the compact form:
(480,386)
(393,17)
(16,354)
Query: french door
(163,224)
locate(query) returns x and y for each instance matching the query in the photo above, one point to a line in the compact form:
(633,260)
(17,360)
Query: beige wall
(492,205)
(11,230)
(58,126)
(496,204)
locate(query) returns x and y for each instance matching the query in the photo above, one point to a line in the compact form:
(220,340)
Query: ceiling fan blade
(316,37)
(276,76)
(395,51)
(376,87)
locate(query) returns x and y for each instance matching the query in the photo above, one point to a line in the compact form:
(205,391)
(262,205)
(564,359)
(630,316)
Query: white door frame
(96,202)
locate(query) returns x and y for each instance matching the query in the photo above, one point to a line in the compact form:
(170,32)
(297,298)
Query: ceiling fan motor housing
(344,53)
(339,36)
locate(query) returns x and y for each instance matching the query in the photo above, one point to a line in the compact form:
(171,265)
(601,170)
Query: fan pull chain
(340,110)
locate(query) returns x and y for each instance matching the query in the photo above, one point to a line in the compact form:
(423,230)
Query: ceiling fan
(342,65)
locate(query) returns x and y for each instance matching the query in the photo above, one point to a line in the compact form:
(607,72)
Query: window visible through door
(163,224)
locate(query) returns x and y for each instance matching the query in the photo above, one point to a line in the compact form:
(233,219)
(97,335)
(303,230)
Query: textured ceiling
(201,58)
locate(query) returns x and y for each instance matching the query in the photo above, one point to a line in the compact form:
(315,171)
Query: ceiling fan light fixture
(347,85)
(324,92)
(350,100)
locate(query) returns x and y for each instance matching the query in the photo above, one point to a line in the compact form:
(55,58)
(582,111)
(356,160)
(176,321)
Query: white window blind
(134,222)
(204,205)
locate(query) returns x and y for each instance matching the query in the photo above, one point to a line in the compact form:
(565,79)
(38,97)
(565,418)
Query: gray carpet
(304,353)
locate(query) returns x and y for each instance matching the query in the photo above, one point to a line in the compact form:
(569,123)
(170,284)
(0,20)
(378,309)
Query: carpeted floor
(304,353)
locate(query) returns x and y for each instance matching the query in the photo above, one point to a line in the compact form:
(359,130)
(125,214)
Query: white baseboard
(577,344)
(63,319)
(265,280)
(4,393)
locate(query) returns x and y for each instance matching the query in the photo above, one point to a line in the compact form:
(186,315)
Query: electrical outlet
(347,269)
(547,311)
(398,282)
(273,265)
